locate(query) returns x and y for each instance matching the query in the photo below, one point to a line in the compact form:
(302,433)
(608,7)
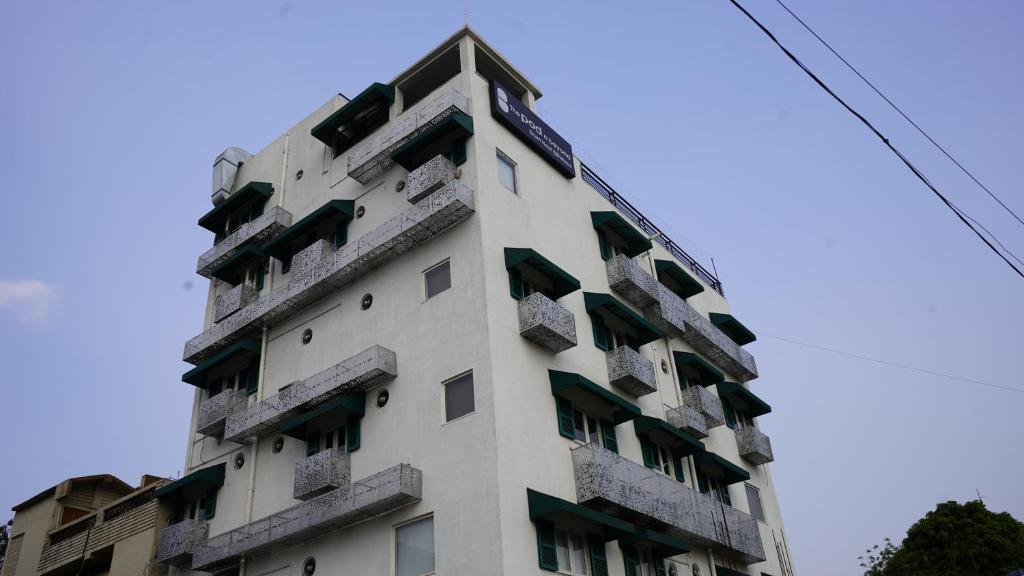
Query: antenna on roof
(465,13)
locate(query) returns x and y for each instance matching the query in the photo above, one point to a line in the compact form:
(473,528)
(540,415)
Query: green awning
(372,96)
(576,388)
(576,517)
(661,432)
(251,192)
(688,285)
(743,399)
(563,283)
(645,331)
(441,138)
(193,485)
(636,242)
(660,545)
(228,269)
(280,246)
(197,376)
(732,328)
(336,409)
(722,571)
(713,465)
(708,374)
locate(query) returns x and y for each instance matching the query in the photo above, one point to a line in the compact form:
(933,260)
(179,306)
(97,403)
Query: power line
(894,364)
(901,113)
(959,213)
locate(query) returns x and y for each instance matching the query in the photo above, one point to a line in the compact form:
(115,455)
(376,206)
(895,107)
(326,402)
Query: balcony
(368,369)
(214,412)
(322,472)
(372,156)
(545,323)
(234,300)
(674,315)
(631,372)
(610,483)
(754,446)
(410,228)
(627,278)
(370,497)
(429,178)
(689,420)
(179,541)
(706,403)
(256,231)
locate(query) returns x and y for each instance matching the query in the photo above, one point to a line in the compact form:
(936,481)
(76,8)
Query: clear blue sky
(112,113)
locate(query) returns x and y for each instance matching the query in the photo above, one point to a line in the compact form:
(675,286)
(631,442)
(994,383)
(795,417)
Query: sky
(112,113)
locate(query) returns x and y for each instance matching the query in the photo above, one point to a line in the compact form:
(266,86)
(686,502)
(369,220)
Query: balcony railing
(674,315)
(232,301)
(372,156)
(627,278)
(429,178)
(371,367)
(707,404)
(610,483)
(631,372)
(258,230)
(415,225)
(754,446)
(545,323)
(179,541)
(689,420)
(322,472)
(214,412)
(368,498)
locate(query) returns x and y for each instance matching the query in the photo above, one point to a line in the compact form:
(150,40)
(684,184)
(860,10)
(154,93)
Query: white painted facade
(475,469)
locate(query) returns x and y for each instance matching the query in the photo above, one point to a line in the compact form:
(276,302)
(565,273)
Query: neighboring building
(436,342)
(90,525)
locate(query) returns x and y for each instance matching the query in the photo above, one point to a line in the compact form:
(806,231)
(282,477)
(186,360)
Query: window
(608,337)
(572,553)
(414,548)
(754,502)
(507,173)
(713,485)
(438,279)
(736,419)
(643,563)
(657,457)
(662,462)
(243,379)
(578,425)
(458,397)
(610,246)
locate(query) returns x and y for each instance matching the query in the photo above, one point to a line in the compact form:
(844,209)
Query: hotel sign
(532,130)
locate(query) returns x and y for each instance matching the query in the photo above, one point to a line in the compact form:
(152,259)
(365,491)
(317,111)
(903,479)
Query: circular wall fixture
(382,398)
(367,301)
(239,460)
(298,175)
(400,186)
(309,566)
(664,366)
(360,211)
(278,444)
(307,335)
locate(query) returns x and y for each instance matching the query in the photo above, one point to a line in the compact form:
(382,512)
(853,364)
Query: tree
(5,537)
(876,560)
(954,540)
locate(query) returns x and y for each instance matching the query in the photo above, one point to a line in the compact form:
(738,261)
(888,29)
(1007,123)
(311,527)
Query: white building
(436,342)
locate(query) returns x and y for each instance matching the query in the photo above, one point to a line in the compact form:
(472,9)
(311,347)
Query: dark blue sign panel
(508,110)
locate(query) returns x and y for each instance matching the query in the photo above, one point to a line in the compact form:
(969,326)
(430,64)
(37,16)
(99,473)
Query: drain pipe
(255,445)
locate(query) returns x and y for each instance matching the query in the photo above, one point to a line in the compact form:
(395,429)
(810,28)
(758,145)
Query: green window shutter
(608,436)
(598,558)
(340,233)
(214,387)
(515,283)
(210,509)
(546,553)
(677,463)
(286,264)
(353,433)
(724,491)
(601,339)
(312,444)
(647,449)
(606,248)
(632,564)
(566,425)
(659,567)
(459,152)
(702,483)
(259,277)
(252,377)
(730,415)
(257,210)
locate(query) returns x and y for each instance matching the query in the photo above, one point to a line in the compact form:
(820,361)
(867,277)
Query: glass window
(754,502)
(571,552)
(458,397)
(507,172)
(438,279)
(414,548)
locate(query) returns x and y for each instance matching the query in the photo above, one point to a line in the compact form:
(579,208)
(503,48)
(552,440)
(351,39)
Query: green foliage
(877,559)
(954,540)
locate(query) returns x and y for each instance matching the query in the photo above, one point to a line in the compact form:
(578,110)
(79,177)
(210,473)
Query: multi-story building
(436,342)
(90,525)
